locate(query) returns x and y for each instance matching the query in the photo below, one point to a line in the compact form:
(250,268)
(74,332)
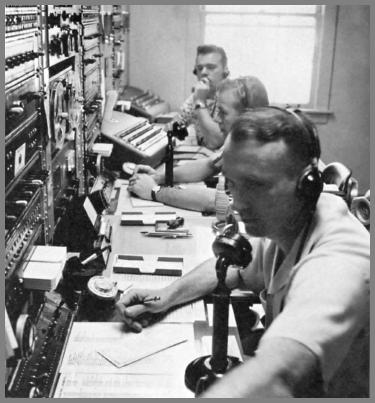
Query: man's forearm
(194,171)
(197,199)
(210,130)
(199,282)
(281,367)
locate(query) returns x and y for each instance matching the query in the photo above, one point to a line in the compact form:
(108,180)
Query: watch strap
(200,105)
(154,190)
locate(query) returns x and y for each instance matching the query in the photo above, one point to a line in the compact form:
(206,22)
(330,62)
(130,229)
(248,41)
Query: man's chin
(253,229)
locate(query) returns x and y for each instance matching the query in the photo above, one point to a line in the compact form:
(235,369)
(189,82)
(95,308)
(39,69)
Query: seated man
(311,267)
(200,108)
(234,96)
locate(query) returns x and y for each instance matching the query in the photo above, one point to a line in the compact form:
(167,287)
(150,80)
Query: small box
(42,275)
(43,267)
(139,218)
(104,149)
(149,264)
(41,253)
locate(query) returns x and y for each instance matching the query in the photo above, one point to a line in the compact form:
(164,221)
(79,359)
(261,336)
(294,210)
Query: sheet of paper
(124,354)
(87,338)
(86,385)
(124,281)
(90,210)
(137,202)
(188,313)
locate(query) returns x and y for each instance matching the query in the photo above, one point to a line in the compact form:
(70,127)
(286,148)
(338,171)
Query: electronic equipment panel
(143,103)
(54,92)
(135,139)
(42,338)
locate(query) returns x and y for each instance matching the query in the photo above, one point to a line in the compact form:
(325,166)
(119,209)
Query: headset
(310,182)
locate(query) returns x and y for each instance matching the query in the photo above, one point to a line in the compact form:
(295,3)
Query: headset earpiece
(226,73)
(195,72)
(310,183)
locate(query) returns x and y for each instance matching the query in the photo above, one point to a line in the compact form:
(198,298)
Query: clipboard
(148,264)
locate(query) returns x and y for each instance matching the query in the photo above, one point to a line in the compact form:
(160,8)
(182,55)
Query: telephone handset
(232,246)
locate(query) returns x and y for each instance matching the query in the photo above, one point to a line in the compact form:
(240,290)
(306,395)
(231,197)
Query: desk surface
(163,374)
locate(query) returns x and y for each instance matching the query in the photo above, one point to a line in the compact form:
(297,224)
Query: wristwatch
(200,105)
(155,190)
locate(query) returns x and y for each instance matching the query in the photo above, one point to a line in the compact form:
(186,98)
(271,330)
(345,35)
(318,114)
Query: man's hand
(136,312)
(143,169)
(202,90)
(141,185)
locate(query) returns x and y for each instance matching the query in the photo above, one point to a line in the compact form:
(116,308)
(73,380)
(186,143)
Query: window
(280,44)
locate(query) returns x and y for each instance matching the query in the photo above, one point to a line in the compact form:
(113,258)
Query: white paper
(123,386)
(189,313)
(137,202)
(90,210)
(124,281)
(124,354)
(87,338)
(43,253)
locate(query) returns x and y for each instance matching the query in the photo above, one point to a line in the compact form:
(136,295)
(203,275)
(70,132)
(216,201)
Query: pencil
(146,300)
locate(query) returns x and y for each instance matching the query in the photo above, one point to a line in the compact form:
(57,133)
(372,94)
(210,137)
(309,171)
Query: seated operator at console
(311,267)
(234,96)
(200,108)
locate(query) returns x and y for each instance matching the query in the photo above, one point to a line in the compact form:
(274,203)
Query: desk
(162,375)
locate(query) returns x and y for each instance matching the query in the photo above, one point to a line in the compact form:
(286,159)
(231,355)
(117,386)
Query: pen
(160,234)
(147,300)
(95,255)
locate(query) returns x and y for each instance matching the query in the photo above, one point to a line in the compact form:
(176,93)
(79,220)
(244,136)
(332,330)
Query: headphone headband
(312,134)
(310,183)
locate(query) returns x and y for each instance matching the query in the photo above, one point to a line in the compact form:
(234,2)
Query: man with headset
(233,97)
(311,267)
(200,109)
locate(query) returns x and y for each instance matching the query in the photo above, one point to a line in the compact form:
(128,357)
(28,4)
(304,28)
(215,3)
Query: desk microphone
(230,248)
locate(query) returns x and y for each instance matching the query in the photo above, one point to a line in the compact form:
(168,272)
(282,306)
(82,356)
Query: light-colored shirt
(189,116)
(322,301)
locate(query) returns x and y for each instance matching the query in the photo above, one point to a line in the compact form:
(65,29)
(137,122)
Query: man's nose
(204,71)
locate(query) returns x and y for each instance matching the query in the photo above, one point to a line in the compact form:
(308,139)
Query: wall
(163,40)
(346,137)
(162,50)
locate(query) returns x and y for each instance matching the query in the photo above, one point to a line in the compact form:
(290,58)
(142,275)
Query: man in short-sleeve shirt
(314,262)
(200,108)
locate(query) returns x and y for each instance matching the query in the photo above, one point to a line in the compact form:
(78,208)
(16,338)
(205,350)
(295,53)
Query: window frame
(321,83)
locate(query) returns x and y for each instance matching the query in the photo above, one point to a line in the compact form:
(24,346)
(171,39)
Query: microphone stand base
(199,375)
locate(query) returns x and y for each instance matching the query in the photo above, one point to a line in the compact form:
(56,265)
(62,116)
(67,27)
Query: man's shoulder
(333,212)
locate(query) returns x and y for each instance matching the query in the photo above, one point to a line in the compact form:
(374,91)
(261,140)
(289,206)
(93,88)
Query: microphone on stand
(230,248)
(179,131)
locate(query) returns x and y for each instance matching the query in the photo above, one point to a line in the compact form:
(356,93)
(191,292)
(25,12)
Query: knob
(89,61)
(35,392)
(17,108)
